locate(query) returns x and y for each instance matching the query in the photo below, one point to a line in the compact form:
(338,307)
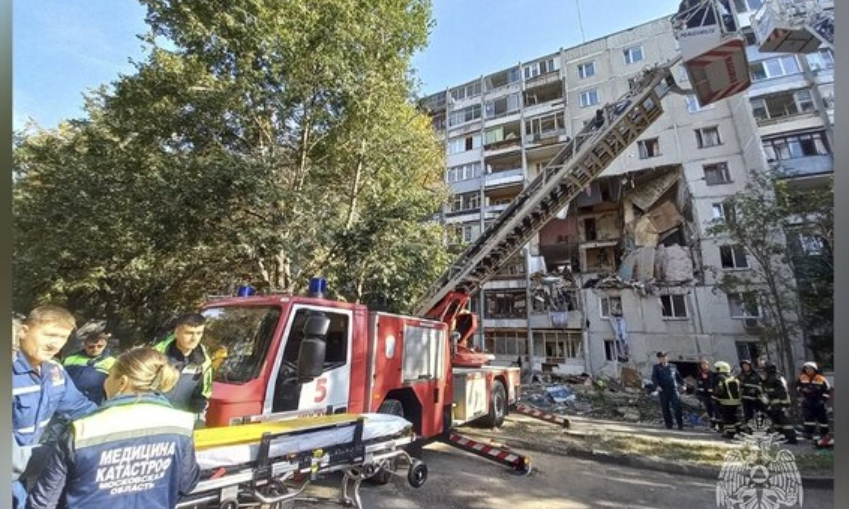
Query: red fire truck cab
(289,356)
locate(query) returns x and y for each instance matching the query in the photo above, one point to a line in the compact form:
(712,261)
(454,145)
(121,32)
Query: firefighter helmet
(746,361)
(721,367)
(771,368)
(810,364)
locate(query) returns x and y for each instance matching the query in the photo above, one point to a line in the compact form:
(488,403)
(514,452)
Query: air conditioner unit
(751,323)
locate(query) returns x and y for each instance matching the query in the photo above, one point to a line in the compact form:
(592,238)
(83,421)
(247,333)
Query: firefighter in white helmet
(726,394)
(814,391)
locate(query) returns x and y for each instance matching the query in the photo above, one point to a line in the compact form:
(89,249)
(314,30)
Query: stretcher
(271,464)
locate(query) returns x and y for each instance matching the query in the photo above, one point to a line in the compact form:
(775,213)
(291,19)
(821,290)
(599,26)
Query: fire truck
(297,355)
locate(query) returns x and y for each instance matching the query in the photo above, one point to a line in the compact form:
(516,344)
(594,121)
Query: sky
(64,48)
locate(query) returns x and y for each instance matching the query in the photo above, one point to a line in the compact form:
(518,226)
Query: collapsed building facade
(628,268)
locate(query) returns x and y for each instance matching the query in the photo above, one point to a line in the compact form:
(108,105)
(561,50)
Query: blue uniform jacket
(36,398)
(135,452)
(89,373)
(667,377)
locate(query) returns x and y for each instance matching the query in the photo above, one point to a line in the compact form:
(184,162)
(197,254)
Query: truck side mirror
(313,348)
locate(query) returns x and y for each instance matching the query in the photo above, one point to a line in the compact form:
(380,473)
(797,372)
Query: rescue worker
(89,367)
(184,350)
(814,391)
(726,394)
(41,389)
(669,383)
(778,402)
(135,451)
(705,380)
(750,385)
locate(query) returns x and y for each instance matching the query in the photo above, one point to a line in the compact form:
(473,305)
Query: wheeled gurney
(272,463)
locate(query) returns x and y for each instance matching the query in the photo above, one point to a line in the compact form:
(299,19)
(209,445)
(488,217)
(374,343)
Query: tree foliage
(262,142)
(766,219)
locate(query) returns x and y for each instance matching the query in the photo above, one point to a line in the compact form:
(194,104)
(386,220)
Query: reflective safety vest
(775,389)
(194,387)
(38,396)
(136,452)
(814,390)
(89,373)
(727,391)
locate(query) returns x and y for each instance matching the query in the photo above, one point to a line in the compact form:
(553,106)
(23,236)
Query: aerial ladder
(615,127)
(794,26)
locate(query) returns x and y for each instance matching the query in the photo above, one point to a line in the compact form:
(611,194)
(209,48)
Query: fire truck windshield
(237,339)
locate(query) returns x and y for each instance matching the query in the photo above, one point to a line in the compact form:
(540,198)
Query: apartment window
(747,351)
(743,305)
(464,144)
(558,345)
(747,5)
(465,115)
(610,350)
(541,67)
(649,148)
(716,174)
(674,306)
(463,172)
(546,125)
(708,137)
(782,104)
(733,257)
(505,304)
(589,98)
(633,54)
(586,70)
(774,68)
(693,105)
(502,106)
(811,245)
(821,59)
(749,35)
(466,92)
(724,212)
(507,342)
(610,306)
(438,122)
(465,202)
(795,146)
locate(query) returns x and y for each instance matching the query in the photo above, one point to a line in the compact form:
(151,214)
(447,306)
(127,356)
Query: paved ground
(458,480)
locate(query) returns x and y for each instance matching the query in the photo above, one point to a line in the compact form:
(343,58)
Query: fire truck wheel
(417,474)
(497,406)
(384,475)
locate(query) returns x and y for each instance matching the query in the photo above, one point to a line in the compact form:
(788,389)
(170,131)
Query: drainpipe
(528,307)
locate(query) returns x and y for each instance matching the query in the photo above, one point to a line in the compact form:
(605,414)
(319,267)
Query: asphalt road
(458,480)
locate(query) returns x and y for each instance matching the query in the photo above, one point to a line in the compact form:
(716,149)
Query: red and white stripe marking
(500,455)
(545,416)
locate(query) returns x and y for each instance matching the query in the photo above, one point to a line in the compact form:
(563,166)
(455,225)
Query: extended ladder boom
(570,171)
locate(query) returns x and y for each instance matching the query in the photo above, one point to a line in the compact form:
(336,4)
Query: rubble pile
(598,397)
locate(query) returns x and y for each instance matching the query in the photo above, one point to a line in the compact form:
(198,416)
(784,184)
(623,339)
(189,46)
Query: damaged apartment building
(627,269)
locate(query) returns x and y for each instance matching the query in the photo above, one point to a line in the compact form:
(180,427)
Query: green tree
(260,141)
(763,218)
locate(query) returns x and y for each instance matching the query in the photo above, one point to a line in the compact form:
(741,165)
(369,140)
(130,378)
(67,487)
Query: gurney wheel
(417,474)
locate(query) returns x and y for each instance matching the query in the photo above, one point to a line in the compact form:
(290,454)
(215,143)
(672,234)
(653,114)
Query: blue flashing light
(246,291)
(318,287)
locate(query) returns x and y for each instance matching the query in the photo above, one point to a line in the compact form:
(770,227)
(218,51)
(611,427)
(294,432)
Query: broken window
(693,105)
(463,172)
(505,304)
(465,202)
(783,104)
(610,306)
(794,146)
(545,126)
(649,148)
(502,106)
(506,342)
(724,212)
(586,69)
(811,245)
(743,305)
(558,345)
(708,137)
(733,257)
(717,174)
(674,306)
(610,350)
(467,114)
(466,92)
(590,232)
(747,351)
(541,67)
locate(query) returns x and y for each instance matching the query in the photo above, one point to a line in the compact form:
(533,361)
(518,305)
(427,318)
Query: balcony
(807,166)
(505,178)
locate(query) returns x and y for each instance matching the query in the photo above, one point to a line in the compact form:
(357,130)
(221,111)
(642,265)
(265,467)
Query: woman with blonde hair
(136,451)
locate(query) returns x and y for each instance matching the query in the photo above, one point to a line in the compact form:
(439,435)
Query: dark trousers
(781,422)
(750,408)
(730,419)
(815,418)
(670,402)
(710,409)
